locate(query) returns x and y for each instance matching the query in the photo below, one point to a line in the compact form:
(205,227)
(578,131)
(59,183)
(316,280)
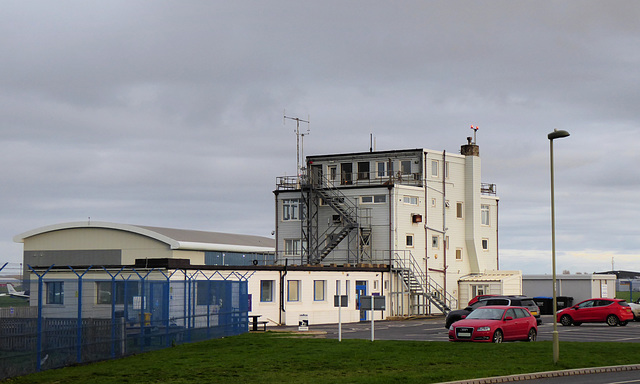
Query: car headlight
(483,329)
(451,327)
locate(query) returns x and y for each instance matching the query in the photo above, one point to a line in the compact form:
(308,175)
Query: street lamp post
(556,134)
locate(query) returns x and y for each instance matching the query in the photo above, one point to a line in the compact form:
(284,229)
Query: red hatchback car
(611,311)
(495,324)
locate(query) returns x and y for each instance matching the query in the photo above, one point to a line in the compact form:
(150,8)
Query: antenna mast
(475,130)
(298,135)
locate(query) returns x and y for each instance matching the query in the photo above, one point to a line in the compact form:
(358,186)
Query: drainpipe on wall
(391,248)
(282,276)
(497,229)
(444,223)
(426,234)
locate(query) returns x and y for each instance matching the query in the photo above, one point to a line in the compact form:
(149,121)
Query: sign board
(303,322)
(378,303)
(340,301)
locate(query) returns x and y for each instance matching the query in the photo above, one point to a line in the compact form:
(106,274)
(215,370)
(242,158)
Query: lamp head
(557,134)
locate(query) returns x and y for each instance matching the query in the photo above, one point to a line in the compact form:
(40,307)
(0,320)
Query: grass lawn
(8,301)
(276,358)
(626,295)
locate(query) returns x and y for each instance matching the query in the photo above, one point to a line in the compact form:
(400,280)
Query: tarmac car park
(431,329)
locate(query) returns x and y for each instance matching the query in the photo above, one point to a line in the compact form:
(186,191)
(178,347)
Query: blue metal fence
(103,313)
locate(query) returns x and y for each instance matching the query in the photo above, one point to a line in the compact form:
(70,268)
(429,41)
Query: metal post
(556,342)
(339,312)
(113,310)
(372,322)
(39,322)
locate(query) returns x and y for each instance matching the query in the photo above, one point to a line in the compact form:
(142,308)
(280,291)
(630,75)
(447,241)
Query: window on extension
(293,290)
(266,291)
(55,292)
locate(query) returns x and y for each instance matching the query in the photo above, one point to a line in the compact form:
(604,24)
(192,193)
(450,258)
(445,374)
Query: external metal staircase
(347,218)
(421,285)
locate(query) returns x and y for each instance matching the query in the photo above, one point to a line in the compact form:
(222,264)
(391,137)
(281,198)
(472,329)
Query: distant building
(577,287)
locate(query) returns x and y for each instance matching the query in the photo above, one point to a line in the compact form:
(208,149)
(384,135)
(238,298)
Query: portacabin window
(266,291)
(293,290)
(485,244)
(319,290)
(205,293)
(458,253)
(55,292)
(291,209)
(480,289)
(105,293)
(434,168)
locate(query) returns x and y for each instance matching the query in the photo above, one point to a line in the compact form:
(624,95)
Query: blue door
(361,290)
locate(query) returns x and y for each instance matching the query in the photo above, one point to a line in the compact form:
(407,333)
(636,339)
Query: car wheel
(497,336)
(532,335)
(566,320)
(612,320)
(623,323)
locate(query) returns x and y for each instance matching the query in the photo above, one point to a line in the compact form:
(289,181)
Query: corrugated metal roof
(490,276)
(175,238)
(193,236)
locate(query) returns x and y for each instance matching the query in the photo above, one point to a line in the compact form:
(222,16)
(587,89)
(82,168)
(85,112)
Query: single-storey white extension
(132,256)
(489,283)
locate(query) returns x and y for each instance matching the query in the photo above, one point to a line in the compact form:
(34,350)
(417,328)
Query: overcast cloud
(171,113)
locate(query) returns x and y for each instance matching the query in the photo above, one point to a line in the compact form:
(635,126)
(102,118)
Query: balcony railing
(351,180)
(488,189)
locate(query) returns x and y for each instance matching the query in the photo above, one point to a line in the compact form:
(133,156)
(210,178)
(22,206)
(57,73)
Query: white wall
(319,312)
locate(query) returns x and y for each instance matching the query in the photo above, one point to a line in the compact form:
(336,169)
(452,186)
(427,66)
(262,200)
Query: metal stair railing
(437,294)
(341,204)
(417,281)
(411,274)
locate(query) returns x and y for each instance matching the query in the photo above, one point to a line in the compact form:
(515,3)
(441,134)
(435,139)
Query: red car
(599,310)
(475,299)
(495,323)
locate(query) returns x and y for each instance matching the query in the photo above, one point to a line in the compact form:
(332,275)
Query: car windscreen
(486,313)
(497,302)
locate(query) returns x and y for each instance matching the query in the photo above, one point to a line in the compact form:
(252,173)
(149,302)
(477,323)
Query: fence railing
(98,314)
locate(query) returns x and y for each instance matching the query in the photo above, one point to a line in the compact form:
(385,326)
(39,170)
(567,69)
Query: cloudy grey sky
(170,113)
